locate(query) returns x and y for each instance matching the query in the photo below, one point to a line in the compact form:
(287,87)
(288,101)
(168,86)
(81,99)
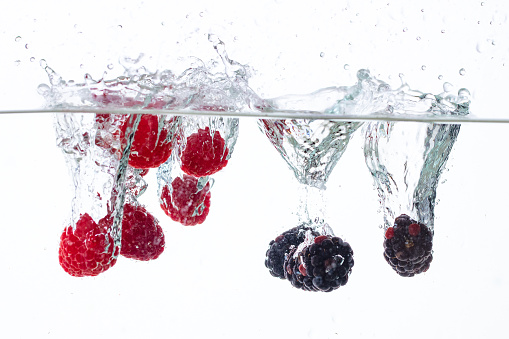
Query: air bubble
(440,77)
(442,31)
(346,67)
(18,38)
(110,66)
(32,59)
(322,54)
(405,29)
(423,67)
(418,38)
(462,71)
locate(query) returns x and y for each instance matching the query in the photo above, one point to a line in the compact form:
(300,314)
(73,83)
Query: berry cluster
(322,265)
(280,247)
(407,246)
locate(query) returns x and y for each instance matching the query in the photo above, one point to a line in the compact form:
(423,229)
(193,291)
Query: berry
(88,250)
(407,248)
(150,147)
(281,246)
(142,237)
(203,154)
(322,266)
(186,204)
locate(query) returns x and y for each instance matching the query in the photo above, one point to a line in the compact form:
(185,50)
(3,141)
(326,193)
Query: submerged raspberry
(151,147)
(88,250)
(142,237)
(407,247)
(203,154)
(281,246)
(186,204)
(323,266)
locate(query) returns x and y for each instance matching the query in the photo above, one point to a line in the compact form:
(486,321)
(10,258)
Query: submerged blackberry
(322,266)
(407,246)
(281,246)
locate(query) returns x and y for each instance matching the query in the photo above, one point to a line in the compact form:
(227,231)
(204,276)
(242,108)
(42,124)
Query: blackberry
(323,266)
(281,246)
(407,246)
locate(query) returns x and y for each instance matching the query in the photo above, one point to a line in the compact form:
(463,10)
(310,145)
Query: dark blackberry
(407,246)
(281,246)
(323,266)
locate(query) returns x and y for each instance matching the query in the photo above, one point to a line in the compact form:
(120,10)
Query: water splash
(406,161)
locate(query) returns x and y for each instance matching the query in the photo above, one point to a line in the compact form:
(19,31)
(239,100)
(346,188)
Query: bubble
(18,38)
(447,87)
(322,54)
(462,71)
(405,29)
(418,38)
(32,59)
(346,67)
(422,10)
(201,14)
(43,63)
(440,77)
(482,3)
(81,66)
(423,67)
(110,66)
(442,31)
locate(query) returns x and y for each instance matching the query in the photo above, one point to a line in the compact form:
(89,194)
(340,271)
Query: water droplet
(418,38)
(110,66)
(422,10)
(26,46)
(119,26)
(401,75)
(442,31)
(32,59)
(42,88)
(440,77)
(423,67)
(43,63)
(201,14)
(18,38)
(363,74)
(17,62)
(462,71)
(405,29)
(482,3)
(346,67)
(463,92)
(447,87)
(81,66)
(322,54)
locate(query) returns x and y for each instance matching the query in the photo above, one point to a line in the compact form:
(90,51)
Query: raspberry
(322,266)
(150,148)
(203,154)
(281,246)
(88,250)
(407,248)
(186,204)
(142,237)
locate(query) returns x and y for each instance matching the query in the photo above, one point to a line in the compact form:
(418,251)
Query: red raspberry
(142,237)
(88,250)
(414,229)
(150,148)
(203,154)
(185,204)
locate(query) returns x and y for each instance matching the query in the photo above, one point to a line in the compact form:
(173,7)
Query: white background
(211,281)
